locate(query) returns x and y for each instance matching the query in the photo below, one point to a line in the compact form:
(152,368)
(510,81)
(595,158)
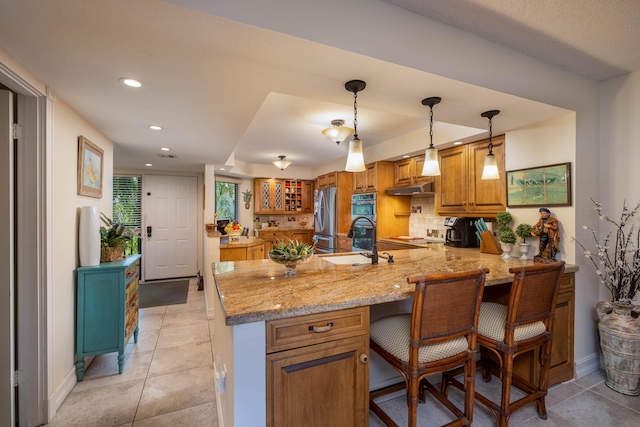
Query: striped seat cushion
(492,321)
(392,334)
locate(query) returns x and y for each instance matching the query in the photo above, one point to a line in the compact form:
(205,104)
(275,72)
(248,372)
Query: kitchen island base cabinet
(106,309)
(317,369)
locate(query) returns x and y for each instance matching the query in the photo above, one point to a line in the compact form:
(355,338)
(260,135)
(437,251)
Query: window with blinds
(127,201)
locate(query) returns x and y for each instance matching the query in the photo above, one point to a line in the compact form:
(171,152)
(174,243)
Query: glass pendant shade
(490,170)
(338,132)
(282,163)
(355,159)
(431,166)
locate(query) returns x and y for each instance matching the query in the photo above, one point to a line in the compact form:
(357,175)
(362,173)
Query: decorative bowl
(289,264)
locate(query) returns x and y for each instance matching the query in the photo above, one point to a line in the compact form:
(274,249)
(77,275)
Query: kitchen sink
(353,259)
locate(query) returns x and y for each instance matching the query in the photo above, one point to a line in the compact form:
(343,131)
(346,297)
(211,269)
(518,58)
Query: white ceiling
(221,88)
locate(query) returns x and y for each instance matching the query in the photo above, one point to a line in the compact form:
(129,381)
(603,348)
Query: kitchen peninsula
(257,311)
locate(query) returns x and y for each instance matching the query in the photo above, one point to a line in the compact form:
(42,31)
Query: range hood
(409,190)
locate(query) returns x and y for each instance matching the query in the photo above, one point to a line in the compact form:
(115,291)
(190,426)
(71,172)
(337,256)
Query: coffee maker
(461,232)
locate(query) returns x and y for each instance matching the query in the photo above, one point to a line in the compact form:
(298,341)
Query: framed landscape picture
(90,159)
(539,186)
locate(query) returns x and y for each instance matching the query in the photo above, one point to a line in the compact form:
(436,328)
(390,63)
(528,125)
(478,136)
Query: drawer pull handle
(321,328)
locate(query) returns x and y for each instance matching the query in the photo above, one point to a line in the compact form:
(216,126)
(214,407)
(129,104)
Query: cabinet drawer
(285,334)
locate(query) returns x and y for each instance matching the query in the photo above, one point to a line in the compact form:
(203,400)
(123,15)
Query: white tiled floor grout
(167,385)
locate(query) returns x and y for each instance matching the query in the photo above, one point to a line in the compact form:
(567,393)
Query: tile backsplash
(423,222)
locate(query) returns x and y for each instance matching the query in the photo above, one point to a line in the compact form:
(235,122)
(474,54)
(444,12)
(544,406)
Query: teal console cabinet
(106,309)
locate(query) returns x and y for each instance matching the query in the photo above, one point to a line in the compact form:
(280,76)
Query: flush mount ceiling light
(490,170)
(338,133)
(355,158)
(282,163)
(130,82)
(431,166)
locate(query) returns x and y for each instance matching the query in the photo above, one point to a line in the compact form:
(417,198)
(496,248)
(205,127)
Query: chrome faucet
(374,250)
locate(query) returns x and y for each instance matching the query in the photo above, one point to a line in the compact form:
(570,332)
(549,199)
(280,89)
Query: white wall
(65,212)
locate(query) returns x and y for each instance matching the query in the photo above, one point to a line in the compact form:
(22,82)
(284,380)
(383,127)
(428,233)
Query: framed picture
(90,159)
(540,186)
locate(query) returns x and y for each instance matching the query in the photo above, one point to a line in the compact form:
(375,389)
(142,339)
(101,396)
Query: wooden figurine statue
(547,229)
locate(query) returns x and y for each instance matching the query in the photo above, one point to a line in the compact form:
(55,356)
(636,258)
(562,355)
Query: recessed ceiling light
(406,156)
(155,127)
(457,143)
(148,164)
(165,149)
(130,82)
(223,169)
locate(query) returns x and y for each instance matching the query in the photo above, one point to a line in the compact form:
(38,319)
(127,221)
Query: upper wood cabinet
(327,180)
(376,177)
(409,171)
(283,196)
(460,189)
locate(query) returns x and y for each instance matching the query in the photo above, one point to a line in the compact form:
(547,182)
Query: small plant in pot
(506,236)
(113,239)
(523,231)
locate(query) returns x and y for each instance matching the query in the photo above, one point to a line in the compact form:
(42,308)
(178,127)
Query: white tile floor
(168,381)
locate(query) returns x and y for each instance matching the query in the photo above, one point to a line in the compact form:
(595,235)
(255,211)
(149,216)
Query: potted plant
(506,236)
(617,263)
(523,231)
(113,238)
(246,196)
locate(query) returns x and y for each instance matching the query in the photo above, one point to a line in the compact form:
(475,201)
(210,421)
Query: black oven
(363,205)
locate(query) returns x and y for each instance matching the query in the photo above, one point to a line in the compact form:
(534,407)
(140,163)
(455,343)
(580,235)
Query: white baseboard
(587,365)
(61,393)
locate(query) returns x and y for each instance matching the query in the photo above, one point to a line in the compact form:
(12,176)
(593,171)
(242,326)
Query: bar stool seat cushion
(392,334)
(491,324)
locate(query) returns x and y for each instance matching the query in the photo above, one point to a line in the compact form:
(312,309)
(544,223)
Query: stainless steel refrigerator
(326,220)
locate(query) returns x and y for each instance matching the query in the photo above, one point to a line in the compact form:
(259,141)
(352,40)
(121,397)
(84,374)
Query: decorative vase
(524,251)
(506,250)
(619,329)
(89,236)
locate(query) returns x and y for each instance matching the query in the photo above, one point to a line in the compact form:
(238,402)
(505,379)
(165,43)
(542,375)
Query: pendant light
(490,170)
(355,158)
(338,132)
(431,166)
(282,163)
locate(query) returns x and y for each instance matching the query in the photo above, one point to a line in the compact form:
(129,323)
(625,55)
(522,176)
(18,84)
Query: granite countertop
(252,291)
(242,242)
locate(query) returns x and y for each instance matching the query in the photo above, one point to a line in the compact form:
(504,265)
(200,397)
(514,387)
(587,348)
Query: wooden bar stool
(438,335)
(506,332)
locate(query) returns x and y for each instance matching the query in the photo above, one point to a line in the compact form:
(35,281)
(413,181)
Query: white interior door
(7,277)
(170,226)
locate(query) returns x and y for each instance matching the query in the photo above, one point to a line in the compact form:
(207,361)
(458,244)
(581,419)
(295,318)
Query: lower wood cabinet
(317,369)
(230,252)
(344,244)
(270,237)
(106,309)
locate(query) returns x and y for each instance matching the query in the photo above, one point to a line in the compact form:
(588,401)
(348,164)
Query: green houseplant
(113,238)
(506,236)
(617,263)
(523,231)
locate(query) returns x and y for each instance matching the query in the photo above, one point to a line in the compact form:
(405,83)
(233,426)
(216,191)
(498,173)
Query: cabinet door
(418,165)
(452,184)
(269,196)
(344,244)
(307,196)
(360,182)
(486,196)
(255,252)
(372,178)
(101,311)
(319,385)
(404,171)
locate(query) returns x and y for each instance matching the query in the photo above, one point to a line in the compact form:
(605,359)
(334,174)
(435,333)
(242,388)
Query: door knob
(148,231)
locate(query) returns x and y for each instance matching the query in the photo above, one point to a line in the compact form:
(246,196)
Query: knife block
(488,244)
